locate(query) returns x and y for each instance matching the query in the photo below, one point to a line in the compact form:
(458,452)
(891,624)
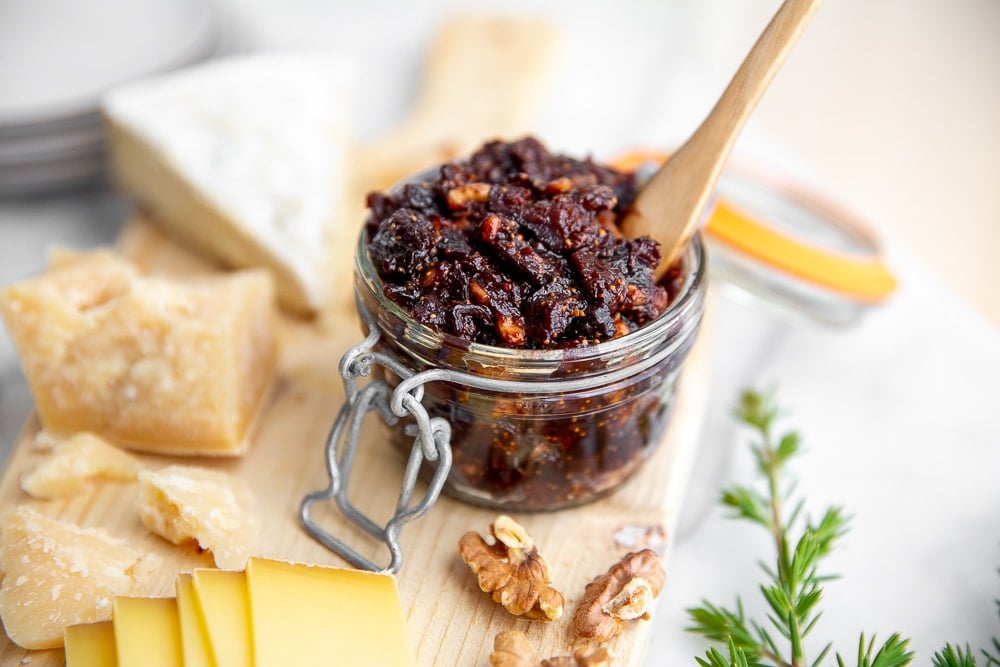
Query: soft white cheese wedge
(244,158)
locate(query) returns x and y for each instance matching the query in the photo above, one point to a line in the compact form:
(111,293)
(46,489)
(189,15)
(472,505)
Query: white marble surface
(897,412)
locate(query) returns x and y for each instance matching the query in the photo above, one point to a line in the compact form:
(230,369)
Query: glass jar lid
(787,248)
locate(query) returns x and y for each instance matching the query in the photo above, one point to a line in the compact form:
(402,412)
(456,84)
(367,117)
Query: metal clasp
(432,437)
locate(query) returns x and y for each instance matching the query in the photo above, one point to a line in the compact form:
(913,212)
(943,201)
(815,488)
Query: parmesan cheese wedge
(58,574)
(149,363)
(245,159)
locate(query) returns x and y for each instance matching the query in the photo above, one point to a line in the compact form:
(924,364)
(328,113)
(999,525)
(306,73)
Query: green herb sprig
(795,583)
(956,656)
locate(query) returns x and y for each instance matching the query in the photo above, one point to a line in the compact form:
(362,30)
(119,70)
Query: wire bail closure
(432,437)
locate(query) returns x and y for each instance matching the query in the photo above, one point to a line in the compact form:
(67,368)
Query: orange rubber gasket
(864,278)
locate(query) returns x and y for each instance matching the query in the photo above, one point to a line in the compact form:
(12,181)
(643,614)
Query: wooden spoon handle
(671,205)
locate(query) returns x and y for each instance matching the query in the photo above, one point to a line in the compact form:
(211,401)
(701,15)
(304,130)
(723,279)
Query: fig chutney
(509,265)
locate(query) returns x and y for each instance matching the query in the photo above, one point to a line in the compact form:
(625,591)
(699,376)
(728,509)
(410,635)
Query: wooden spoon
(671,204)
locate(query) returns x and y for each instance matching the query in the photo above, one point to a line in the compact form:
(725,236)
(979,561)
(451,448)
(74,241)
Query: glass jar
(559,427)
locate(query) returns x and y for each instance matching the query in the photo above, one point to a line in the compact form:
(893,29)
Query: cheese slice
(147,632)
(244,158)
(190,504)
(222,599)
(316,616)
(153,364)
(71,466)
(194,640)
(91,645)
(58,574)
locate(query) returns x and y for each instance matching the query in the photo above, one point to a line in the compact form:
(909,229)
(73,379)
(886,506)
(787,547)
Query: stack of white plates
(58,57)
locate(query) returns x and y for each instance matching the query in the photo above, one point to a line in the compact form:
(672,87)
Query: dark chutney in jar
(510,265)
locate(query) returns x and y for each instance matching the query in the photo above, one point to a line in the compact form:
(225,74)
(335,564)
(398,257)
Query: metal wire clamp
(431,442)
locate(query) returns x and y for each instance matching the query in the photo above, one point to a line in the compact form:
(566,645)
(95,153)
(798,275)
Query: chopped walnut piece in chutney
(516,248)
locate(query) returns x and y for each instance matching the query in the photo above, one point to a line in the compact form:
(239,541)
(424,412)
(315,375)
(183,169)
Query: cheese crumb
(73,464)
(186,504)
(44,441)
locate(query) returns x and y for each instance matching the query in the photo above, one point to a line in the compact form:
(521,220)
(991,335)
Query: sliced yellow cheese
(317,616)
(58,574)
(222,599)
(191,504)
(147,632)
(194,640)
(91,645)
(72,465)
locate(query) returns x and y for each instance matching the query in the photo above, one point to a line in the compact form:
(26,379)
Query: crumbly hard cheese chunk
(72,465)
(149,363)
(187,504)
(58,574)
(244,158)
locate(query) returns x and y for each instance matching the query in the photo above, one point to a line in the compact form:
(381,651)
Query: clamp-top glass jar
(556,427)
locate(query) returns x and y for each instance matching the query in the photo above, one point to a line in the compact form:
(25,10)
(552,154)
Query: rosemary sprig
(956,656)
(795,584)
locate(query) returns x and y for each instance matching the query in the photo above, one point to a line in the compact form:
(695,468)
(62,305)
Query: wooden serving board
(450,621)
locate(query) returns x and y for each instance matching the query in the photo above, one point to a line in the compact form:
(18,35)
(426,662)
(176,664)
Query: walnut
(583,656)
(512,570)
(462,196)
(512,649)
(624,593)
(559,186)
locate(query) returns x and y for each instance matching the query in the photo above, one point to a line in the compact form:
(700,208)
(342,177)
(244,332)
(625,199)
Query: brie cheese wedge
(245,159)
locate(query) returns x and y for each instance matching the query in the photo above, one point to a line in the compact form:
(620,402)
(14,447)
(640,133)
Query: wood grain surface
(450,621)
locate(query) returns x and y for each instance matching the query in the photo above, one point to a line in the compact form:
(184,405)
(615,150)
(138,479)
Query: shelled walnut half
(511,648)
(512,570)
(624,593)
